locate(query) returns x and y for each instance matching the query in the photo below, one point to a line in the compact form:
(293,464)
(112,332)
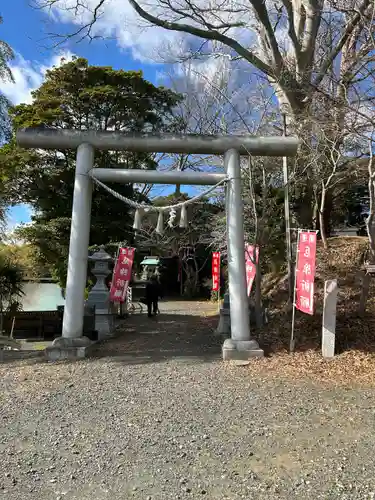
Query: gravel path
(156,415)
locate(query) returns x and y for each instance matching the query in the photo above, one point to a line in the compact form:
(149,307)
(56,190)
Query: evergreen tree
(79,96)
(6,55)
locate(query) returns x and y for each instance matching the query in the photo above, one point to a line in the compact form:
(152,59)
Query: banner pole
(292,339)
(119,309)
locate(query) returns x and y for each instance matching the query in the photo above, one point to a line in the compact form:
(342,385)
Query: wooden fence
(44,324)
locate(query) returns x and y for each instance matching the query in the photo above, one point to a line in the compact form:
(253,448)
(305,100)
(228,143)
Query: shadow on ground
(143,340)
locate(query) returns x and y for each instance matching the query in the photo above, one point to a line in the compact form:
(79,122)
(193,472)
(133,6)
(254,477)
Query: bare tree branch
(209,34)
(350,27)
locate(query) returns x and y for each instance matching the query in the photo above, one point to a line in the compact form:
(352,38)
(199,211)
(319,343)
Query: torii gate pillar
(239,346)
(79,244)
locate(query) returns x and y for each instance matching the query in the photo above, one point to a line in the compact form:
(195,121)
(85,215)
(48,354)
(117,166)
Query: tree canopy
(6,55)
(77,95)
(315,58)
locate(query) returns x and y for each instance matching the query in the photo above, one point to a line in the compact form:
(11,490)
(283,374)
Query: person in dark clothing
(153,292)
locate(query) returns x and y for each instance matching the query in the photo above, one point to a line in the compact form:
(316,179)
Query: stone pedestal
(235,349)
(241,350)
(99,294)
(223,327)
(68,348)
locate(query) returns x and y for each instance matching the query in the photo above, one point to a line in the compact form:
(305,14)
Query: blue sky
(25,29)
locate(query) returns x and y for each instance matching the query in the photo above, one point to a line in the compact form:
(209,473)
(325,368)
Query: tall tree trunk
(258,296)
(315,219)
(370,230)
(327,213)
(321,218)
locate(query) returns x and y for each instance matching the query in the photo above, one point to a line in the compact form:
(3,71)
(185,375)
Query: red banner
(251,269)
(305,272)
(121,274)
(216,271)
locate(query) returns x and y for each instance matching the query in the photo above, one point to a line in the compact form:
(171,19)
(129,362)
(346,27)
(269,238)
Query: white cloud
(117,19)
(28,76)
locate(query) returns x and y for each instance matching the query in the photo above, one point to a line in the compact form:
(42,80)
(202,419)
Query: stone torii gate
(240,345)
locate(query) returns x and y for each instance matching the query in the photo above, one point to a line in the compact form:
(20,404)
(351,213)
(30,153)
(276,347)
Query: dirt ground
(156,414)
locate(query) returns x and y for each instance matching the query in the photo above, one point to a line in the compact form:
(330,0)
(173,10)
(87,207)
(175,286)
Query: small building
(166,268)
(149,266)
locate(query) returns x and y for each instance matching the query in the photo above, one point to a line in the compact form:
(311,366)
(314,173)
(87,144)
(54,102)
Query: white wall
(41,297)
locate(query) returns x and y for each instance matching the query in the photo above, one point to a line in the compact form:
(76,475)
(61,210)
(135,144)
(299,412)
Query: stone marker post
(329,318)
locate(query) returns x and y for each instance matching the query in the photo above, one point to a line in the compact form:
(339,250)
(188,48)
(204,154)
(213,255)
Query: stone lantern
(224,320)
(223,327)
(99,294)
